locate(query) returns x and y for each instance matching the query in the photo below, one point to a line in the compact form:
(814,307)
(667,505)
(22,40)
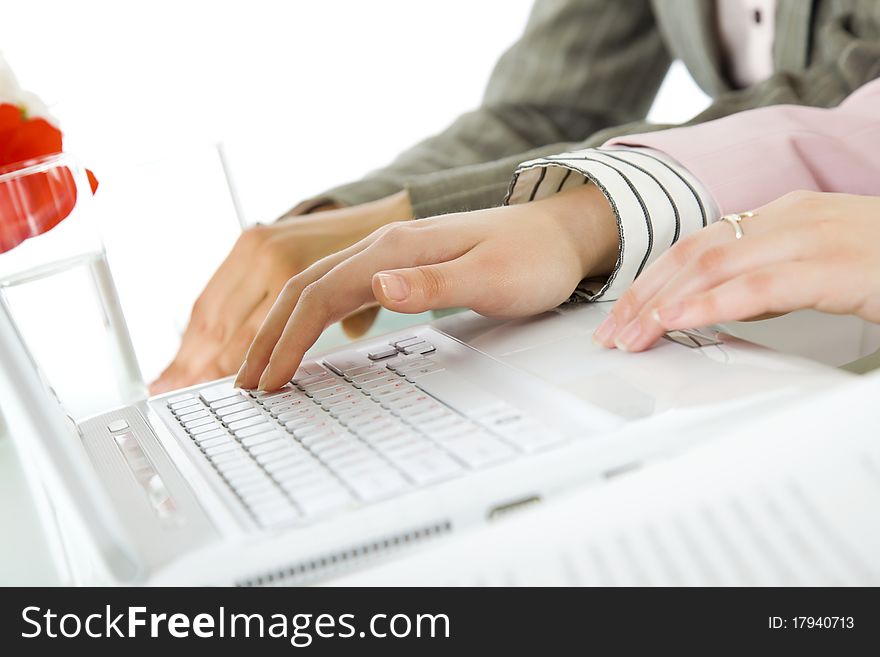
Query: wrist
(587,218)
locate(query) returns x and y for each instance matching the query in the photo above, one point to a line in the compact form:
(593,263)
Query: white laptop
(372,448)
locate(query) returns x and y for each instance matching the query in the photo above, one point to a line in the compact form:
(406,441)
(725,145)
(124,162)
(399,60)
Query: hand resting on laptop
(502,262)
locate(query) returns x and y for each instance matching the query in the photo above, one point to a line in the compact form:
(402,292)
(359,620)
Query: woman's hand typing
(504,262)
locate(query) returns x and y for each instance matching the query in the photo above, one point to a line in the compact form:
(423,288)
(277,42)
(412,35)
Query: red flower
(33,204)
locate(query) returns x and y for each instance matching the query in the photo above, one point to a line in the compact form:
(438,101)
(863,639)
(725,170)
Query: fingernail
(261,386)
(628,335)
(666,317)
(604,331)
(394,287)
(242,372)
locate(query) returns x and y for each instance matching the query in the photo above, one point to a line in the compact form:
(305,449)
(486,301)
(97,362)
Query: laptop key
(330,392)
(241,473)
(265,437)
(419,348)
(225,411)
(352,372)
(355,461)
(254,429)
(180,407)
(478,450)
(298,414)
(377,484)
(401,449)
(219,391)
(288,405)
(379,383)
(382,353)
(265,397)
(217,440)
(241,415)
(321,384)
(307,482)
(271,515)
(530,437)
(382,394)
(403,343)
(229,401)
(316,427)
(386,401)
(220,449)
(283,400)
(307,370)
(297,423)
(401,363)
(417,373)
(370,375)
(389,438)
(270,446)
(341,452)
(228,459)
(374,426)
(247,422)
(350,406)
(287,464)
(204,428)
(428,467)
(323,375)
(345,396)
(256,496)
(426,411)
(447,430)
(207,420)
(193,415)
(323,502)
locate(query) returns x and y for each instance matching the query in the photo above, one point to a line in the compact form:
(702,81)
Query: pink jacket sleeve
(751,158)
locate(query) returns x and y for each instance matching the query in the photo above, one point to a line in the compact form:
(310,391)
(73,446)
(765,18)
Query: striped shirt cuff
(656,202)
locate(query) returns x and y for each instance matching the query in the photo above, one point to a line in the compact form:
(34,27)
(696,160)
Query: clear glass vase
(56,282)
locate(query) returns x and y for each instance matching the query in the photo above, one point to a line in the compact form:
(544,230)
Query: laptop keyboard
(348,432)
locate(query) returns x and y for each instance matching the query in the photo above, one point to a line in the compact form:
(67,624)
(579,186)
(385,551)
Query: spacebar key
(456,391)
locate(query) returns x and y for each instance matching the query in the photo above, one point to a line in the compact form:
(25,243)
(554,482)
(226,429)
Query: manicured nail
(394,287)
(628,335)
(667,316)
(261,386)
(604,331)
(242,372)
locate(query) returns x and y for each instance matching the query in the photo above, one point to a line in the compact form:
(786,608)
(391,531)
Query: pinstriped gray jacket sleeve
(580,65)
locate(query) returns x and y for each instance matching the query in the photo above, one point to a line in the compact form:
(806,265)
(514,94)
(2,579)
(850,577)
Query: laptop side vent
(322,567)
